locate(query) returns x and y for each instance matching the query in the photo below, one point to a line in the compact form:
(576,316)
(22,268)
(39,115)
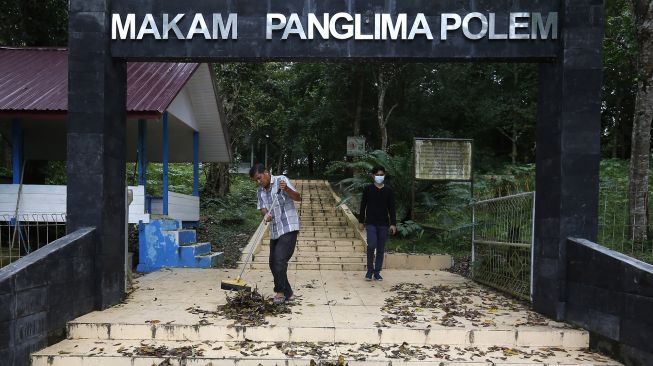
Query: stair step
(109,353)
(298,258)
(167,224)
(317,223)
(209,260)
(187,236)
(326,241)
(323,255)
(339,229)
(320,235)
(224,331)
(189,252)
(327,246)
(313,266)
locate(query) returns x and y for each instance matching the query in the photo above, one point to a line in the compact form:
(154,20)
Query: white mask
(378,179)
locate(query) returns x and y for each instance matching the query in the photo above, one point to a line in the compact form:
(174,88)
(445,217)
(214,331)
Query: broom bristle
(230,286)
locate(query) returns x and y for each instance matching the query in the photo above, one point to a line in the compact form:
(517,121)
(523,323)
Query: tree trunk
(641,138)
(616,128)
(383,88)
(280,163)
(359,105)
(515,134)
(217,180)
(310,164)
(515,137)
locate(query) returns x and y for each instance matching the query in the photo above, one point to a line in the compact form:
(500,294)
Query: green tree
(641,138)
(33,23)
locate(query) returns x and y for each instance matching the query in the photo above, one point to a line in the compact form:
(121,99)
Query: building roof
(35,81)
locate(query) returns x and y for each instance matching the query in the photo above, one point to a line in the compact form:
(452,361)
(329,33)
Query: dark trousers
(281,250)
(376,237)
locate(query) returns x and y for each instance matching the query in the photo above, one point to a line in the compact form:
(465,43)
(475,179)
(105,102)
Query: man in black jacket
(377,213)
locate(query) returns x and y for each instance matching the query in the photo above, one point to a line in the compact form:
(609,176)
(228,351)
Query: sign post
(438,159)
(355,145)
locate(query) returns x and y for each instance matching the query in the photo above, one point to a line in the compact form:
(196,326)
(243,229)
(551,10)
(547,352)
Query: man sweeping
(284,224)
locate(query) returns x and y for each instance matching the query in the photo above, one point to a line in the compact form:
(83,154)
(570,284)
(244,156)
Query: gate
(502,242)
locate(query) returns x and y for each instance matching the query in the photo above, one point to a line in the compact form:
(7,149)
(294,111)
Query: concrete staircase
(171,318)
(164,243)
(327,239)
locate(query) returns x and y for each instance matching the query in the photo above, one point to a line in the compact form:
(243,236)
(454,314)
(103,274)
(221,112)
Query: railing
(502,241)
(27,234)
(616,225)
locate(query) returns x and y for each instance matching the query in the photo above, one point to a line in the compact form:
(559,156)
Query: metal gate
(502,242)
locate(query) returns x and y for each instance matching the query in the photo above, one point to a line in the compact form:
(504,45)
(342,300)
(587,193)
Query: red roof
(35,80)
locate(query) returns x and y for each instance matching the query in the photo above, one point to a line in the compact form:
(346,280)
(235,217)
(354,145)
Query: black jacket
(378,206)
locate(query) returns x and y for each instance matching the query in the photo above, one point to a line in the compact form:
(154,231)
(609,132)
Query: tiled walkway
(420,317)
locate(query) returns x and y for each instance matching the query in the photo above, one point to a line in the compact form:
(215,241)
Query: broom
(239,284)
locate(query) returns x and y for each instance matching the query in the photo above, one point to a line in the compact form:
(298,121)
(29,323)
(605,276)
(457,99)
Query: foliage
(409,228)
(619,78)
(509,180)
(399,173)
(55,173)
(180,177)
(33,23)
(229,221)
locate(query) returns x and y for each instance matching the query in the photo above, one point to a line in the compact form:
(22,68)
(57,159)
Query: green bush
(409,228)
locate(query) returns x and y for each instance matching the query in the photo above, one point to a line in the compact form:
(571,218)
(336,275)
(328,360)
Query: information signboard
(355,145)
(443,159)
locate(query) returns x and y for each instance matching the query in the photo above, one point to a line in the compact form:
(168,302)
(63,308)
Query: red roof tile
(36,80)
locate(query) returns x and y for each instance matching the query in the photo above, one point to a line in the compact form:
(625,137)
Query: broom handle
(275,200)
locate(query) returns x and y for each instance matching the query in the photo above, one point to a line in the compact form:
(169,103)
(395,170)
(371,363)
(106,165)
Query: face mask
(378,179)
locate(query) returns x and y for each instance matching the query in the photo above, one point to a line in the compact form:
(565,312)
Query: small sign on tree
(355,145)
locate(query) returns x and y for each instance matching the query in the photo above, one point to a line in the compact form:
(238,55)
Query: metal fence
(616,224)
(27,234)
(502,241)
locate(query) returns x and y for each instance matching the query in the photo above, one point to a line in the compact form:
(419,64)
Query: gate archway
(104,34)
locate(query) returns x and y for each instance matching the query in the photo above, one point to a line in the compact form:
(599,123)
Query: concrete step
(209,260)
(168,224)
(111,353)
(322,220)
(320,235)
(186,237)
(327,229)
(188,253)
(324,255)
(336,227)
(323,248)
(302,257)
(335,221)
(326,241)
(313,266)
(317,210)
(225,331)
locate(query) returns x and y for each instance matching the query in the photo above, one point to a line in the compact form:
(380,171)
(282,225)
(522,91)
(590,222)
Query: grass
(428,243)
(229,222)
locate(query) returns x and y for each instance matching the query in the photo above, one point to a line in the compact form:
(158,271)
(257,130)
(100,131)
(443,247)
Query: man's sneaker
(377,276)
(368,276)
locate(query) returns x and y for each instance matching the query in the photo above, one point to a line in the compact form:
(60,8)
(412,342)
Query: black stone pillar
(96,143)
(568,151)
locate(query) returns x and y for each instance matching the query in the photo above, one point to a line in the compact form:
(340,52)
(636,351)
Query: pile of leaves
(450,305)
(320,350)
(246,308)
(461,266)
(162,351)
(249,348)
